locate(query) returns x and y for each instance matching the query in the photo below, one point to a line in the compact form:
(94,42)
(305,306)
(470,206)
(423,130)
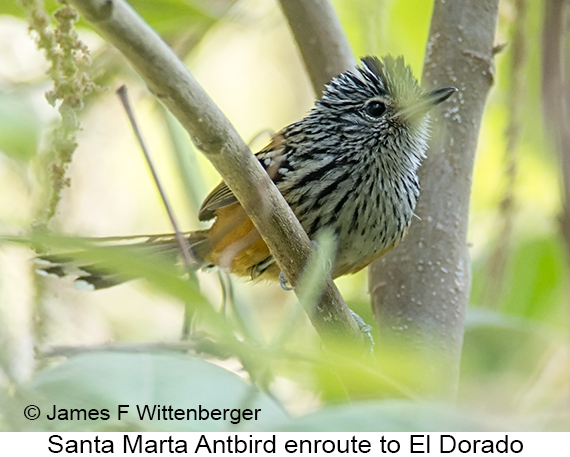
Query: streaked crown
(374,77)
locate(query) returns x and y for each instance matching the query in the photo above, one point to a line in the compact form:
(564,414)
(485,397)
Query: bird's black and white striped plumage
(350,165)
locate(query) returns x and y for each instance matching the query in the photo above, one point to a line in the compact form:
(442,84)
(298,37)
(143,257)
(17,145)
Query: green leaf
(502,355)
(105,380)
(498,342)
(537,278)
(175,20)
(534,283)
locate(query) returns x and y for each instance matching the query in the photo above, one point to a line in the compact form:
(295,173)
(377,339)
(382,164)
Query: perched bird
(350,165)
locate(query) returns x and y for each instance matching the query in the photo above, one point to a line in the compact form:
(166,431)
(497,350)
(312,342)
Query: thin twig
(187,255)
(516,101)
(204,345)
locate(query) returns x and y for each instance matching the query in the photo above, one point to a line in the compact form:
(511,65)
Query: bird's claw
(366,330)
(285,285)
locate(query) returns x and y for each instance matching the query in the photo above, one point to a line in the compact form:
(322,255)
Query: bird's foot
(285,284)
(366,330)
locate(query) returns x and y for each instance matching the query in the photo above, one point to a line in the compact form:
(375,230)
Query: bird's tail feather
(94,276)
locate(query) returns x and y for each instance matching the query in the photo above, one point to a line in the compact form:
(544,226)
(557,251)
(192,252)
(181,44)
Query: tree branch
(171,82)
(320,38)
(420,290)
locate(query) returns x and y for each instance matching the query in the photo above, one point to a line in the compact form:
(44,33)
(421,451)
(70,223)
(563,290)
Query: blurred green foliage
(516,360)
(160,379)
(20,132)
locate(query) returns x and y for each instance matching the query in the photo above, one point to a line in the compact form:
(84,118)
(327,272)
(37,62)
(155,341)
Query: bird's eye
(376,108)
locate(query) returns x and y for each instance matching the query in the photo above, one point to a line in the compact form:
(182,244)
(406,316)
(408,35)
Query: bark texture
(420,290)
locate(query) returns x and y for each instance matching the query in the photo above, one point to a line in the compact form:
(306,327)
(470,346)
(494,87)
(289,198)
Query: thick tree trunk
(420,290)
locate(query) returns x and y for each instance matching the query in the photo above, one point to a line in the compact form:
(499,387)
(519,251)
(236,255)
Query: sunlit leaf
(106,380)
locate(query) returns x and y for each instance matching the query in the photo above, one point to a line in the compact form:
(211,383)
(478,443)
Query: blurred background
(516,360)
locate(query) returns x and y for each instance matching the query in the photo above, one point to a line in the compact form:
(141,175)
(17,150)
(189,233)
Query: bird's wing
(221,196)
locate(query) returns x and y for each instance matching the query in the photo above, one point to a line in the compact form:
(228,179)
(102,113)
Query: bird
(349,166)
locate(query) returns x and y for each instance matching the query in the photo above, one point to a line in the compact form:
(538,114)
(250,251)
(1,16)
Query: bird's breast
(368,206)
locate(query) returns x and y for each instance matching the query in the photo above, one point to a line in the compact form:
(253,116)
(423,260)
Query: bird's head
(381,102)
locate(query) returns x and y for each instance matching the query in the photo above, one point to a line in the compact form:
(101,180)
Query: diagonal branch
(171,82)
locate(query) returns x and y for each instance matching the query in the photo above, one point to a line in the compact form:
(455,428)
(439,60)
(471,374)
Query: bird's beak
(427,102)
(435,97)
